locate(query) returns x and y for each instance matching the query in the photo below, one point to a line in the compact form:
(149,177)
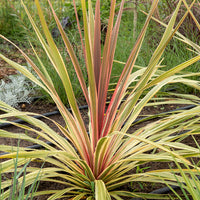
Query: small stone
(23,106)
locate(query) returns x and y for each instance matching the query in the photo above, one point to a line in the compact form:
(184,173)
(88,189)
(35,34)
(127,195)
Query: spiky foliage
(94,163)
(188,181)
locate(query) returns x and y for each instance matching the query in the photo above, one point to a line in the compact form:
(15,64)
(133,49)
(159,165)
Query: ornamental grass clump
(17,191)
(97,159)
(191,188)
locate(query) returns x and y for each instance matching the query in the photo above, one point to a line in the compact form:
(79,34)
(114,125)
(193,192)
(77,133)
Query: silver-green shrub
(16,89)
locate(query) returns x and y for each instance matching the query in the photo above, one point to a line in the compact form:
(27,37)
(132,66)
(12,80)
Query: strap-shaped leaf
(71,54)
(101,191)
(93,106)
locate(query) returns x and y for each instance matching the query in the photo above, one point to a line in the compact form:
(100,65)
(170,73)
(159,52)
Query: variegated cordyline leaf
(101,191)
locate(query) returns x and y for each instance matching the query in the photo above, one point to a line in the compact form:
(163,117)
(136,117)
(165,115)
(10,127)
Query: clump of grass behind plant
(9,23)
(18,190)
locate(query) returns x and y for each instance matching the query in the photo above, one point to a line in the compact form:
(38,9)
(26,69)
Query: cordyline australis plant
(95,163)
